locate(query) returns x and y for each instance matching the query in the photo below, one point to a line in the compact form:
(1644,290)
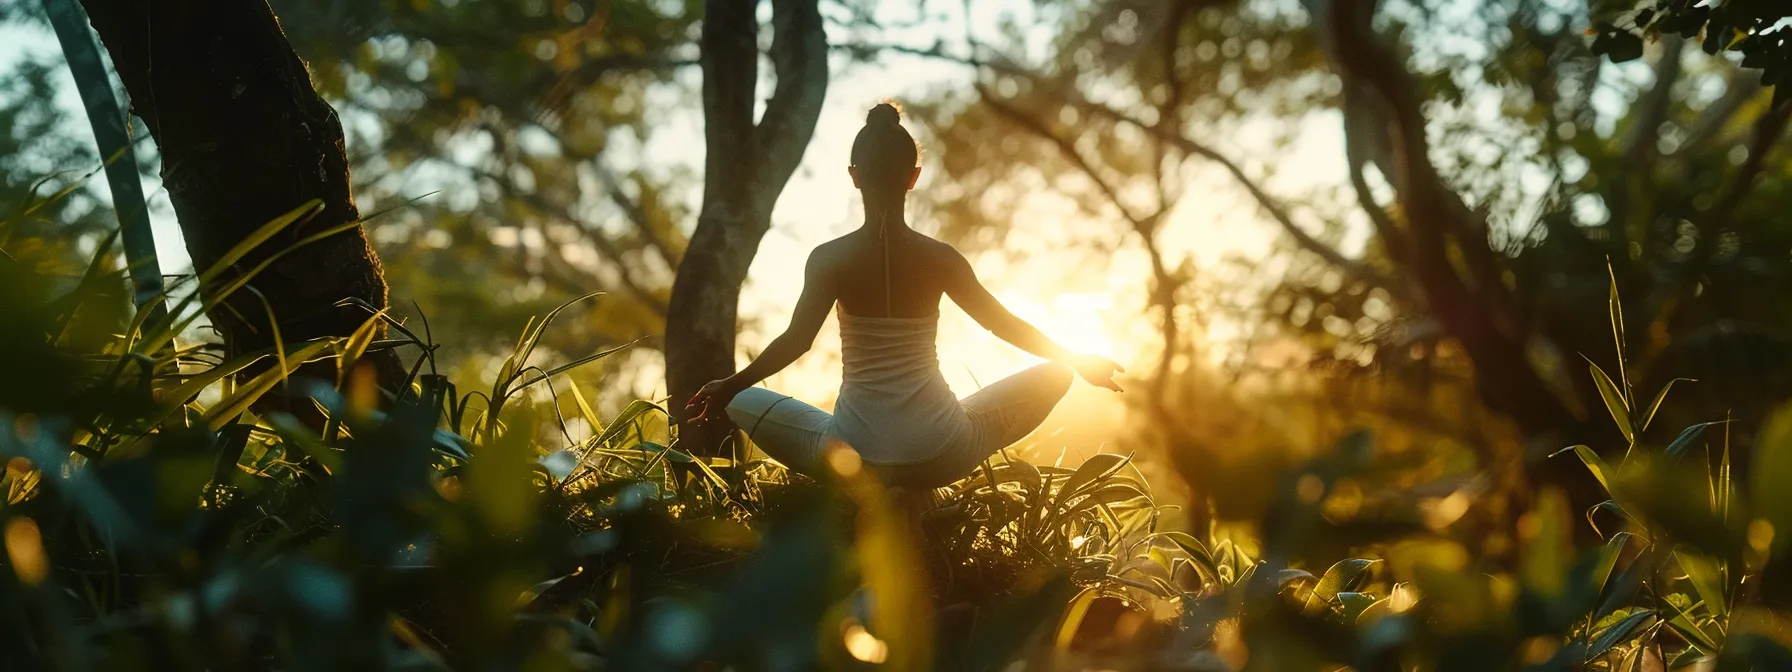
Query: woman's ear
(854,172)
(912,178)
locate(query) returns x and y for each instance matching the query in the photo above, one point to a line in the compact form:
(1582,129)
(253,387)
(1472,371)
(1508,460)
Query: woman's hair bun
(884,114)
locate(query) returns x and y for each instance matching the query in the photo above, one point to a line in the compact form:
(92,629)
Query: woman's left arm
(812,308)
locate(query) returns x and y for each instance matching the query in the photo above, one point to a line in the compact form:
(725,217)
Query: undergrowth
(167,508)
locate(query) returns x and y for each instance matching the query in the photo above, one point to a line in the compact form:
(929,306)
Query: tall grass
(160,515)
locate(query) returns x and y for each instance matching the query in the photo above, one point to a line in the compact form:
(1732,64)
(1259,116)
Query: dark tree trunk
(244,138)
(745,168)
(1444,246)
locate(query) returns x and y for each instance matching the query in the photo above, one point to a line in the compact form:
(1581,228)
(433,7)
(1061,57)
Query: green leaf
(533,336)
(1689,630)
(1097,467)
(1614,401)
(1706,576)
(355,346)
(1594,463)
(1615,304)
(1355,604)
(1687,439)
(1375,610)
(1196,551)
(587,359)
(1617,633)
(1343,576)
(1607,559)
(597,426)
(248,393)
(625,420)
(1649,413)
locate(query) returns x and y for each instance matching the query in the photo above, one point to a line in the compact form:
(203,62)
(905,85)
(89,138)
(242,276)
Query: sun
(1078,321)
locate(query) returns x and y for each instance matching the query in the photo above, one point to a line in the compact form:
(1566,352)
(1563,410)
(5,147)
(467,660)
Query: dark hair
(884,154)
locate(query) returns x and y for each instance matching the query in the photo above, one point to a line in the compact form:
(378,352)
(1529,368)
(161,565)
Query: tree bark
(745,168)
(244,138)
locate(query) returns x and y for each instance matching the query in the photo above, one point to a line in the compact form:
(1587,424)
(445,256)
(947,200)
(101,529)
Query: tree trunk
(1469,298)
(244,138)
(745,168)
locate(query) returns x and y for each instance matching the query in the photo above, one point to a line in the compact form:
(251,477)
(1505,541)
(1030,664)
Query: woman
(894,407)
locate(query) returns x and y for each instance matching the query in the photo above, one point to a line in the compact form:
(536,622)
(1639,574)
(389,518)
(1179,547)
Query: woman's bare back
(920,270)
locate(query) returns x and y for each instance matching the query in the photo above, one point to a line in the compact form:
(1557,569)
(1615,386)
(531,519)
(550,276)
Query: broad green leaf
(1343,576)
(1683,623)
(1196,550)
(1355,604)
(1073,618)
(1617,633)
(1375,610)
(1706,576)
(1607,559)
(1097,467)
(1688,438)
(1649,413)
(1614,401)
(1595,464)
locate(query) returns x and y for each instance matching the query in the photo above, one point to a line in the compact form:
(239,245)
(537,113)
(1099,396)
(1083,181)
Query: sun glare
(1078,321)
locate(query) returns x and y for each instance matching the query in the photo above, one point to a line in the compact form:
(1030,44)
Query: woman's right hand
(1098,370)
(711,401)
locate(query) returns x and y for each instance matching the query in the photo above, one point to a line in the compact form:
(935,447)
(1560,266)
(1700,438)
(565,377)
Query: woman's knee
(752,404)
(1058,377)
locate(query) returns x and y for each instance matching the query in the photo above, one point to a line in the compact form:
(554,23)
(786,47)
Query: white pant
(1000,414)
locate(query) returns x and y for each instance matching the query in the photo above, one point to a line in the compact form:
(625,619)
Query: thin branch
(604,246)
(1269,203)
(637,215)
(1070,152)
(799,58)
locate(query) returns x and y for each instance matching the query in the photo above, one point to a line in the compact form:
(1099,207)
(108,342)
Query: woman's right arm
(976,300)
(812,308)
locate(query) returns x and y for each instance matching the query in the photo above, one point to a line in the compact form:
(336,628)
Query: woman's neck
(885,211)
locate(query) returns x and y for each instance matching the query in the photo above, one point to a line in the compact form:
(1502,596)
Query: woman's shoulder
(939,248)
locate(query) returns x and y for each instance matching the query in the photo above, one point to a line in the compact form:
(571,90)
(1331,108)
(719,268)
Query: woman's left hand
(711,401)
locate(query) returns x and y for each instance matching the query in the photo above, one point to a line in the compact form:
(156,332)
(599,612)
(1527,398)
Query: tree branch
(800,60)
(604,246)
(1269,203)
(638,215)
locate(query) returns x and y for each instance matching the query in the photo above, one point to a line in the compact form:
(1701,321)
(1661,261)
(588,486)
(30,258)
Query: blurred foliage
(151,521)
(1748,27)
(1667,173)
